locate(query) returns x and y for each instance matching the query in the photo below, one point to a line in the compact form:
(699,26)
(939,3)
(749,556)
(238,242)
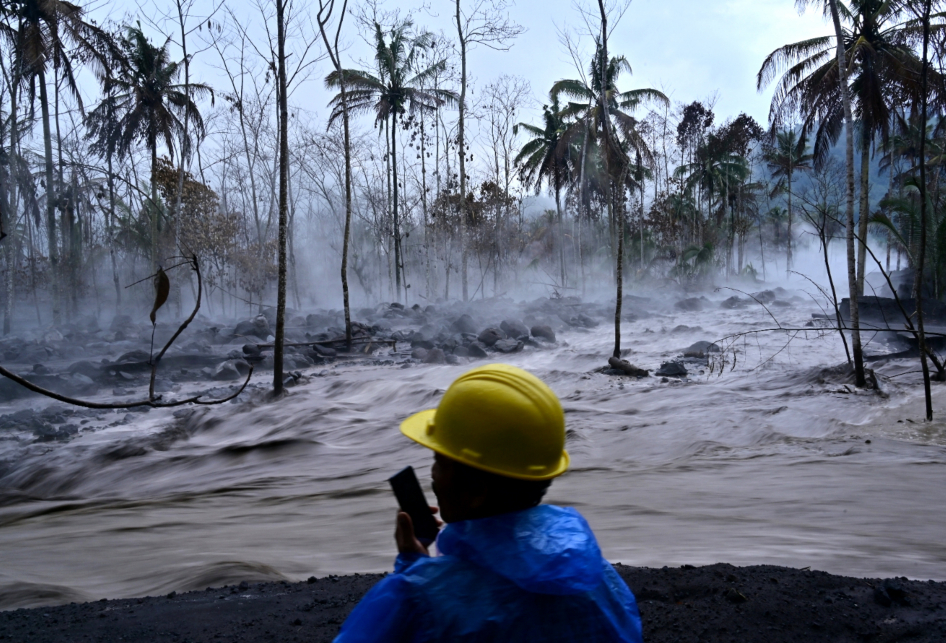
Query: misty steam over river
(778,461)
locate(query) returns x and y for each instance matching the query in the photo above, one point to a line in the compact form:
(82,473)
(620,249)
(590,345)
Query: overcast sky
(691,49)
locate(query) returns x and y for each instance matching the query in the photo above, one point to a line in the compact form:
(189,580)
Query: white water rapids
(767,463)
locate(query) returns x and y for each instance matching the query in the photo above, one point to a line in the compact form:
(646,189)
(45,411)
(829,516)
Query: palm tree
(881,67)
(788,155)
(44,31)
(714,171)
(589,125)
(546,157)
(884,70)
(145,103)
(399,86)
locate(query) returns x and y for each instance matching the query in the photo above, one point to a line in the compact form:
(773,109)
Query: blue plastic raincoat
(534,575)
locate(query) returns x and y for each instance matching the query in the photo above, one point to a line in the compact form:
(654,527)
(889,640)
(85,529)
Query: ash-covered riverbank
(715,603)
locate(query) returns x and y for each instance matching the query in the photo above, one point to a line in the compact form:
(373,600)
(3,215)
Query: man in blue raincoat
(510,569)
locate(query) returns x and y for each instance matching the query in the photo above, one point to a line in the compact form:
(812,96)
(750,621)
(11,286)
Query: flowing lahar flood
(766,463)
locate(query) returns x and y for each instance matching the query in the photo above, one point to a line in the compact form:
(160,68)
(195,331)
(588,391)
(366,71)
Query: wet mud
(715,603)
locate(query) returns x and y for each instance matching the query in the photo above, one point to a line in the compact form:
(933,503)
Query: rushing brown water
(767,463)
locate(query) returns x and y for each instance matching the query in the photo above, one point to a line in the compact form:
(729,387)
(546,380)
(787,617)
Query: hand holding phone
(411,498)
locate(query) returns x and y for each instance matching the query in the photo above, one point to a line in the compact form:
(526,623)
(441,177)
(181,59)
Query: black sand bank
(707,604)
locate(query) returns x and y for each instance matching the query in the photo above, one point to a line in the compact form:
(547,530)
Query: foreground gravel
(707,604)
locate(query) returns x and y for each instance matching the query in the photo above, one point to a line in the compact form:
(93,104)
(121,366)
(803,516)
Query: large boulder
(734,302)
(508,346)
(258,327)
(477,349)
(691,304)
(324,351)
(514,328)
(765,296)
(87,368)
(543,331)
(490,336)
(420,353)
(435,356)
(671,369)
(626,368)
(582,320)
(701,349)
(465,324)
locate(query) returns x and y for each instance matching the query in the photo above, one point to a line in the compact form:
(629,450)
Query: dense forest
(410,187)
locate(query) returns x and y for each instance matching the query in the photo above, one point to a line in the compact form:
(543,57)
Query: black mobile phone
(412,501)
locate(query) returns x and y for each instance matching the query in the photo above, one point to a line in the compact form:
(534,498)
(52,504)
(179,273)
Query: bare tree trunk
(324,15)
(185,151)
(423,202)
(283,197)
(461,150)
(921,258)
(51,201)
(856,349)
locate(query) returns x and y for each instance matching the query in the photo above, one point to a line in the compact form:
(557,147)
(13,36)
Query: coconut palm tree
(145,103)
(398,86)
(547,157)
(715,170)
(43,32)
(883,71)
(585,107)
(788,155)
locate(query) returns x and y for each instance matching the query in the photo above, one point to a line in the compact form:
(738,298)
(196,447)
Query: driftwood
(627,367)
(154,401)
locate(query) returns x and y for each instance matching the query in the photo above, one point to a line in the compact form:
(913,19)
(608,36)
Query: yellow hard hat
(497,418)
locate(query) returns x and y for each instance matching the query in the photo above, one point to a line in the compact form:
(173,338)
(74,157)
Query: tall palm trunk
(346,240)
(856,349)
(397,222)
(13,200)
(864,214)
(154,205)
(51,200)
(612,189)
(789,259)
(561,231)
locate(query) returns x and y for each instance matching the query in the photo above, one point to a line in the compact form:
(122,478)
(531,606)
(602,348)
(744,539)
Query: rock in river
(514,328)
(477,349)
(490,336)
(465,324)
(701,349)
(543,331)
(508,346)
(671,369)
(435,356)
